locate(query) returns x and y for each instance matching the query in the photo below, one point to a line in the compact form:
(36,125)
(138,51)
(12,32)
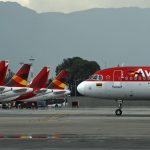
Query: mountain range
(108,36)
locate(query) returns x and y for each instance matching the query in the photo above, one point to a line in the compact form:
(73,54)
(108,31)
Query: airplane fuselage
(126,83)
(46,94)
(9,93)
(126,91)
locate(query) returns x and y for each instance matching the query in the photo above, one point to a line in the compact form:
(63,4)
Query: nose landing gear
(118,111)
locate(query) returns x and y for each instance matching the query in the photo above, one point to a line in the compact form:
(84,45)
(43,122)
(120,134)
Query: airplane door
(117,80)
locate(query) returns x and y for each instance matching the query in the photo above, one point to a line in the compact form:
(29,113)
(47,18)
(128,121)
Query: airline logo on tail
(60,81)
(59,84)
(19,80)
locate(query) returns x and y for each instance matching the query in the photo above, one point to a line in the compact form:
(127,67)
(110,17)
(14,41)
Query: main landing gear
(119,111)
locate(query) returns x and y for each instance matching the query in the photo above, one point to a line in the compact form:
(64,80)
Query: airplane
(17,84)
(55,89)
(3,70)
(36,84)
(118,83)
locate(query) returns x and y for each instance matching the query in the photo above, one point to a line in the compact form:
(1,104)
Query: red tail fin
(3,70)
(60,81)
(21,77)
(41,79)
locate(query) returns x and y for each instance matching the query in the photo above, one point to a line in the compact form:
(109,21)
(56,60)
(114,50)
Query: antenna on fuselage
(122,64)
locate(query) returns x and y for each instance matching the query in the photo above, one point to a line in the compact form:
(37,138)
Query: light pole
(31,59)
(75,87)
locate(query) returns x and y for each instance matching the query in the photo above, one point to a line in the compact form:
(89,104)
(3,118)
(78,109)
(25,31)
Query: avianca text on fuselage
(118,83)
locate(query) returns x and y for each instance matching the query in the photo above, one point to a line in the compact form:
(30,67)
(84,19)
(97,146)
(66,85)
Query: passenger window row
(137,78)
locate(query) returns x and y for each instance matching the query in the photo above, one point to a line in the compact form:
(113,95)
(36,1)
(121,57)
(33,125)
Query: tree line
(80,69)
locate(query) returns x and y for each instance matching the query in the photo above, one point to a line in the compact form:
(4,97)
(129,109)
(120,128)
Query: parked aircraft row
(118,83)
(18,89)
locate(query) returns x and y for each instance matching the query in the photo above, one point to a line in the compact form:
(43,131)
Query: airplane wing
(4,90)
(19,90)
(42,91)
(58,92)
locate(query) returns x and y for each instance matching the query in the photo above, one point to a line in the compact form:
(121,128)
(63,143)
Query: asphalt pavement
(80,128)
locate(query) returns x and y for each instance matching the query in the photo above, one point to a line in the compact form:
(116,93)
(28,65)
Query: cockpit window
(95,77)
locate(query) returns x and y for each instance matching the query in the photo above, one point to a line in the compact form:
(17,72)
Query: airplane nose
(80,88)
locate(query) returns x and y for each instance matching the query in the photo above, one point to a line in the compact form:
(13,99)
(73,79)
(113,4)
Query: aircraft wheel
(56,105)
(118,112)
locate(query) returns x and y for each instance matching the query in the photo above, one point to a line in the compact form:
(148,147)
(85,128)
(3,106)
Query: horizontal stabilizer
(40,91)
(59,92)
(2,89)
(20,90)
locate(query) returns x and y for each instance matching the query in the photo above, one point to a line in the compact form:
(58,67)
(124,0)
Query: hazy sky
(67,6)
(91,35)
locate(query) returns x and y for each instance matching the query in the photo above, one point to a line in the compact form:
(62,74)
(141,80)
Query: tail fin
(3,70)
(41,79)
(60,81)
(21,77)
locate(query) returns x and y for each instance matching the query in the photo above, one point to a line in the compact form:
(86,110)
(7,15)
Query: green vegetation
(79,69)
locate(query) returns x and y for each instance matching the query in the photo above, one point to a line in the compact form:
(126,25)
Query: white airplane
(17,84)
(39,81)
(54,90)
(118,83)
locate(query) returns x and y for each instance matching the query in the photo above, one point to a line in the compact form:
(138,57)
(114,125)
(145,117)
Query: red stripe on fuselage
(25,96)
(124,74)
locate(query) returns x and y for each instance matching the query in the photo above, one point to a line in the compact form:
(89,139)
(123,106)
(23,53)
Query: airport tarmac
(82,128)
